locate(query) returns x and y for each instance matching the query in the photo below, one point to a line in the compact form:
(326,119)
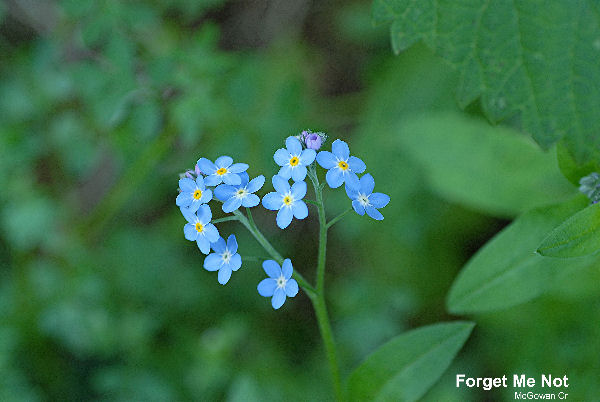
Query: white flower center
(241,193)
(288,200)
(363,199)
(281,282)
(226,256)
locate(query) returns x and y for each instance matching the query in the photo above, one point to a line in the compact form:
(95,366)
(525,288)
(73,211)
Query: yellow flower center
(287,200)
(197,194)
(199,227)
(343,165)
(294,161)
(222,171)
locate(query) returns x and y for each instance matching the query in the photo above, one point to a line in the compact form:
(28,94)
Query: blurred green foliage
(103,103)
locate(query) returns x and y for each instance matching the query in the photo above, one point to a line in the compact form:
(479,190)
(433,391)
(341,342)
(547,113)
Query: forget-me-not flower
(225,259)
(341,166)
(193,193)
(287,200)
(279,284)
(199,228)
(294,159)
(222,171)
(363,198)
(234,197)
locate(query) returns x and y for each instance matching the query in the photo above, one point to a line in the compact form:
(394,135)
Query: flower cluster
(230,184)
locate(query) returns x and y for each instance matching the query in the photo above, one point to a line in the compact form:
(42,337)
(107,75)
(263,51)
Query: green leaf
(507,271)
(493,169)
(407,366)
(534,59)
(570,169)
(576,237)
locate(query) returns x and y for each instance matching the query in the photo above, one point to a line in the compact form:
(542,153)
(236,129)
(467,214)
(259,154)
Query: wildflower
(340,164)
(294,159)
(193,193)
(241,195)
(590,186)
(313,140)
(225,259)
(363,198)
(279,284)
(222,171)
(199,228)
(286,200)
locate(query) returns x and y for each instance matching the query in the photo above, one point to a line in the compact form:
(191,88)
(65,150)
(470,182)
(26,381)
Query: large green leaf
(576,237)
(493,169)
(407,366)
(507,271)
(535,59)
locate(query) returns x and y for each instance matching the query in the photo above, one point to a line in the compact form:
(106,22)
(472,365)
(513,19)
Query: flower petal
(340,149)
(285,172)
(224,275)
(232,244)
(224,192)
(190,232)
(186,184)
(238,167)
(203,244)
(200,183)
(374,213)
(204,214)
(206,196)
(300,210)
(189,215)
(308,156)
(219,246)
(272,201)
(293,145)
(272,268)
(212,180)
(299,190)
(351,189)
(207,167)
(211,232)
(184,199)
(299,173)
(282,157)
(232,179)
(223,162)
(255,184)
(287,269)
(379,200)
(281,184)
(236,262)
(326,159)
(291,288)
(267,287)
(358,207)
(334,177)
(278,298)
(251,200)
(213,262)
(356,164)
(284,217)
(232,204)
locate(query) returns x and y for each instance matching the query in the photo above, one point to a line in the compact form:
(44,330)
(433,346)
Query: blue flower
(222,171)
(225,259)
(341,166)
(193,193)
(363,198)
(199,228)
(286,200)
(293,160)
(241,195)
(279,284)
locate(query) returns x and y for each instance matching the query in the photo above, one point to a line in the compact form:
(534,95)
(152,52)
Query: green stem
(319,301)
(337,218)
(249,224)
(225,219)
